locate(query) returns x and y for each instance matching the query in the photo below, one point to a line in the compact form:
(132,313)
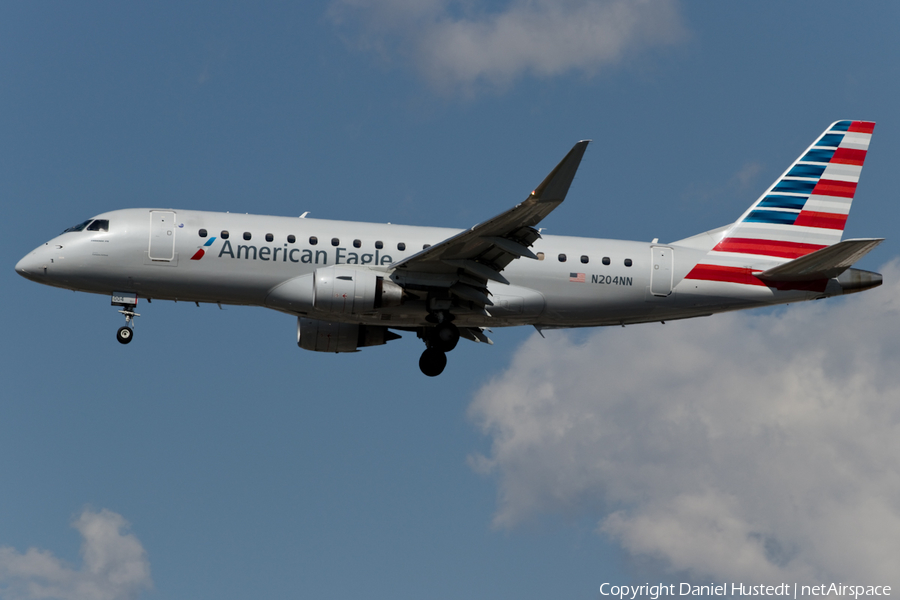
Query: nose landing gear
(128,302)
(124,335)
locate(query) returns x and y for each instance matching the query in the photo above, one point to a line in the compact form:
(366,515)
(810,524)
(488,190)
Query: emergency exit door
(661,274)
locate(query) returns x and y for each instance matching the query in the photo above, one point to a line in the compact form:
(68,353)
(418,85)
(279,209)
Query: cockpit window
(79,227)
(99,225)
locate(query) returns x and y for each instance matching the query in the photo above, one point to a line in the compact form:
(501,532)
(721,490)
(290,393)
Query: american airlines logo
(201,252)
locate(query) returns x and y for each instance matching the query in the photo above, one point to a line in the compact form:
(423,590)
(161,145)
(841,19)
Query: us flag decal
(576,277)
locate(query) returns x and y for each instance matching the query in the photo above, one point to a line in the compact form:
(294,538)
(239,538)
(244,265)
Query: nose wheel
(128,302)
(125,334)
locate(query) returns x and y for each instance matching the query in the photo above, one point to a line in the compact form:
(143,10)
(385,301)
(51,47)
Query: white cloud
(462,44)
(735,446)
(114,565)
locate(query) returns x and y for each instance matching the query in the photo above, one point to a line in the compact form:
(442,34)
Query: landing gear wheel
(433,362)
(445,337)
(124,335)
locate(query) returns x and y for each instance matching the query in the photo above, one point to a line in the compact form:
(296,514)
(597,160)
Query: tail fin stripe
(862,127)
(777,201)
(809,218)
(804,170)
(831,140)
(854,126)
(828,204)
(766,247)
(856,141)
(772,216)
(831,187)
(818,155)
(723,273)
(843,172)
(785,233)
(847,156)
(795,186)
(748,277)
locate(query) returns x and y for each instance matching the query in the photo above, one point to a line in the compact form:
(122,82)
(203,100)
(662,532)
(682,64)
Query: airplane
(352,285)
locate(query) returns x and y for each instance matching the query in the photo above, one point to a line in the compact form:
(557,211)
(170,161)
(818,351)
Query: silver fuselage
(161,262)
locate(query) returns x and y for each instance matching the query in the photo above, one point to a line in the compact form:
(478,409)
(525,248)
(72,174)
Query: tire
(124,335)
(432,362)
(445,337)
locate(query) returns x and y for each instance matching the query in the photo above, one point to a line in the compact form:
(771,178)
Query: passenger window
(379,245)
(335,242)
(269,237)
(562,258)
(313,240)
(291,239)
(540,255)
(247,235)
(79,227)
(99,225)
(605,260)
(224,234)
(202,233)
(357,243)
(627,262)
(584,258)
(401,246)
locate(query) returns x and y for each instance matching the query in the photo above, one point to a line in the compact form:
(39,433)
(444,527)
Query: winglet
(556,185)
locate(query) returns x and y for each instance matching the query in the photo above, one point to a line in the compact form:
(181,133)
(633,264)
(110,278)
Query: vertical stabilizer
(803,211)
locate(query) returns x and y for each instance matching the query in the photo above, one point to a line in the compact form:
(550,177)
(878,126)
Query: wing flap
(475,334)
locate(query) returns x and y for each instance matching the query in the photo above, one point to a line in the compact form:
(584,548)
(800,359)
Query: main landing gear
(439,340)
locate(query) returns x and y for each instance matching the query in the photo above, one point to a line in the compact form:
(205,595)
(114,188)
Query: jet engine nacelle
(345,290)
(337,289)
(324,336)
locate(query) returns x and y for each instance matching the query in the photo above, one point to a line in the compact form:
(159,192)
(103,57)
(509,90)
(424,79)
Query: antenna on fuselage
(303,216)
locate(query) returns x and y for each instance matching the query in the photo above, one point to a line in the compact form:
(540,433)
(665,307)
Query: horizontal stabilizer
(826,263)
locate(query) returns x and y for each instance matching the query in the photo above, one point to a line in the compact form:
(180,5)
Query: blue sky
(246,467)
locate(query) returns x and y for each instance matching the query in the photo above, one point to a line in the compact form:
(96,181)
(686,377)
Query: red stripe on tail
(862,126)
(727,274)
(849,156)
(766,247)
(746,276)
(808,218)
(832,187)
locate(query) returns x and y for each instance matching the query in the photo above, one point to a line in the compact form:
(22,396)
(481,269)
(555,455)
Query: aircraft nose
(31,266)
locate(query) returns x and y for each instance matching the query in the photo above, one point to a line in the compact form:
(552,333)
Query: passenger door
(162,235)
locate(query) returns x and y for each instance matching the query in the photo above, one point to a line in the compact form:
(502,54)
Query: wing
(465,262)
